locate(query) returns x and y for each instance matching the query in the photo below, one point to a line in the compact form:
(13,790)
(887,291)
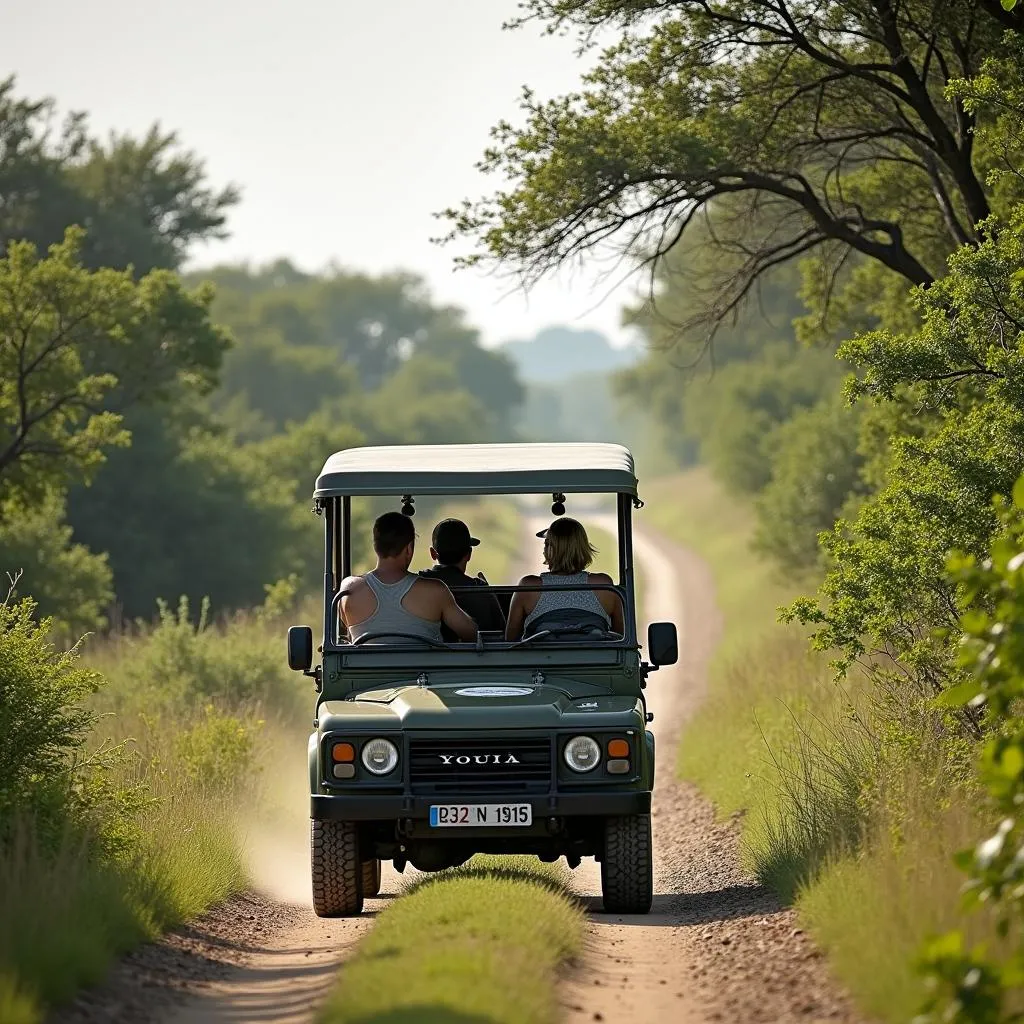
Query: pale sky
(347,124)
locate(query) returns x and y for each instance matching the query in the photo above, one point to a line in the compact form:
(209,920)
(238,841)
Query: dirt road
(717,946)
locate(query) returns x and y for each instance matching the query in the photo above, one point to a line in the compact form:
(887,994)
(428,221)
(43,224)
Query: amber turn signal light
(618,748)
(343,752)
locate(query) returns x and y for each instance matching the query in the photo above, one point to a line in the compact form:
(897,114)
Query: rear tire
(336,869)
(627,870)
(371,877)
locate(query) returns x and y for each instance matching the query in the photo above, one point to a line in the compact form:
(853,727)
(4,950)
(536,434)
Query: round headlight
(380,756)
(582,754)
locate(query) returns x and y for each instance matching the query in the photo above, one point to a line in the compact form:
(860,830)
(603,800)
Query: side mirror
(300,648)
(662,644)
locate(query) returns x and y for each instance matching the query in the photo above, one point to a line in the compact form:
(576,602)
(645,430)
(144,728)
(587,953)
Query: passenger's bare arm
(611,603)
(456,619)
(519,609)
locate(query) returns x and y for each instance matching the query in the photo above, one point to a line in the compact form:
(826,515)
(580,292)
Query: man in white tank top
(390,601)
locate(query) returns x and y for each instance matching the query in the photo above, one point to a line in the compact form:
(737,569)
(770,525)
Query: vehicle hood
(475,706)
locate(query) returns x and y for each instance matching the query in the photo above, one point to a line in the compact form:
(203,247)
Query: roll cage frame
(336,512)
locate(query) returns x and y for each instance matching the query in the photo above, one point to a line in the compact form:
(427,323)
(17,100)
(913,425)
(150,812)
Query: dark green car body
(474,724)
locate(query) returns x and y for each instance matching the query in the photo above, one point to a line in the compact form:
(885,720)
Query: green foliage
(815,476)
(336,340)
(735,416)
(217,749)
(144,201)
(181,663)
(887,590)
(71,342)
(70,585)
(204,518)
(43,720)
(979,984)
(775,109)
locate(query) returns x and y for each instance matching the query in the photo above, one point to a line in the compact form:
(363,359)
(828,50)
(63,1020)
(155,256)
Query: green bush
(43,721)
(181,663)
(979,984)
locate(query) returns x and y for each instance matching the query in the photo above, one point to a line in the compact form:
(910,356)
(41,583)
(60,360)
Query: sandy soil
(716,947)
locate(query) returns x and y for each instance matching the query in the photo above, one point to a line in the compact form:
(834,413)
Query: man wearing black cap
(451,547)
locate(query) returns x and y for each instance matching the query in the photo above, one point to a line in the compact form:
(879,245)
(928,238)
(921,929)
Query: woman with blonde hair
(567,554)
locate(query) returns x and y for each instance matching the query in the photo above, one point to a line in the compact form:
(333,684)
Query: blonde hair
(567,549)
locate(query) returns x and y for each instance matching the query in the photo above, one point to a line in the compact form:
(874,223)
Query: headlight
(380,756)
(582,754)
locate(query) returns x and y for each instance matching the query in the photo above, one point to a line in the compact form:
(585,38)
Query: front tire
(371,877)
(627,870)
(336,869)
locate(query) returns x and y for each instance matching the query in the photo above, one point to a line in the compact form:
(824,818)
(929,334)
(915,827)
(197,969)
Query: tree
(827,128)
(962,374)
(815,478)
(306,340)
(77,348)
(69,584)
(144,202)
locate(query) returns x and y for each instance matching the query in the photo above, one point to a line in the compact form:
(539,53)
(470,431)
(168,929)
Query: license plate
(468,815)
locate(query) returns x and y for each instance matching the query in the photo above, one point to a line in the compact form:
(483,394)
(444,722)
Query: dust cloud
(274,835)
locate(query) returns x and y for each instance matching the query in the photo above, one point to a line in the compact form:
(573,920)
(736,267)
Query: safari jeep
(426,753)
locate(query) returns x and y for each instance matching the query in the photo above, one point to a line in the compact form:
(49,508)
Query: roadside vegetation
(481,942)
(125,761)
(851,808)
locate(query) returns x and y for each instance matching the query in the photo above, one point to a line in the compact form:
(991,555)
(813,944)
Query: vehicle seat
(574,622)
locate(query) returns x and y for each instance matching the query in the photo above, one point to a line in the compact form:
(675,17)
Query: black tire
(336,869)
(627,871)
(371,877)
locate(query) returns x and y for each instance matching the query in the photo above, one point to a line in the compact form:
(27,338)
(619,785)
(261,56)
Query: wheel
(371,877)
(336,869)
(627,871)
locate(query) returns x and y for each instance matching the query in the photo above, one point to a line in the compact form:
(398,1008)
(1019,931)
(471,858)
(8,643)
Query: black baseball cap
(452,535)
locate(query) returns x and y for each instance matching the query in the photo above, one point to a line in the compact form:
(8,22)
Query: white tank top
(391,616)
(556,600)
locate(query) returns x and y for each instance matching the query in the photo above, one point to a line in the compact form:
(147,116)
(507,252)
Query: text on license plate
(481,814)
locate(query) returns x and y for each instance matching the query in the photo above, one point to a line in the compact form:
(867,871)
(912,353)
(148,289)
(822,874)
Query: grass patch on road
(849,811)
(480,943)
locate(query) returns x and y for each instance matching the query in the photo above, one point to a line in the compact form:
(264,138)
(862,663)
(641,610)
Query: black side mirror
(300,648)
(662,644)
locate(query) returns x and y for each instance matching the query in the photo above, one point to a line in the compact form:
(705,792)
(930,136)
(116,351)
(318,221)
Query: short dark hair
(392,534)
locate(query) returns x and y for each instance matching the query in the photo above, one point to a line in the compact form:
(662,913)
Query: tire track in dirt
(717,945)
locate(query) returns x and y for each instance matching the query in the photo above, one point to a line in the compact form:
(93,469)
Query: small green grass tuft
(480,943)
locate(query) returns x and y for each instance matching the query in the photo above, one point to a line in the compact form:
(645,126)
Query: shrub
(43,721)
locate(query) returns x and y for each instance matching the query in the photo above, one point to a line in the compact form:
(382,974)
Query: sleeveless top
(390,616)
(556,600)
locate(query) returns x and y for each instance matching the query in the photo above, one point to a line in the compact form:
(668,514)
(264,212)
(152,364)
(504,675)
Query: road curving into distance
(716,947)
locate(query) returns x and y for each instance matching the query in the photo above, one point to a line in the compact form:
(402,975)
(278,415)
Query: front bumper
(371,807)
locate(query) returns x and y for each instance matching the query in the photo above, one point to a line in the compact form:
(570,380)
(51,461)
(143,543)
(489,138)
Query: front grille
(487,769)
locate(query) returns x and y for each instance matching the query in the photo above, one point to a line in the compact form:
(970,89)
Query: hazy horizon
(347,130)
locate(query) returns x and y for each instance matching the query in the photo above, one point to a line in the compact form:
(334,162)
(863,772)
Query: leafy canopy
(827,127)
(77,348)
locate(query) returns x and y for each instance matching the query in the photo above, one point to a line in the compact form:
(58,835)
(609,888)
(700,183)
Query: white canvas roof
(572,468)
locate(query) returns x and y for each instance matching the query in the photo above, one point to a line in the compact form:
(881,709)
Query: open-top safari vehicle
(427,753)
